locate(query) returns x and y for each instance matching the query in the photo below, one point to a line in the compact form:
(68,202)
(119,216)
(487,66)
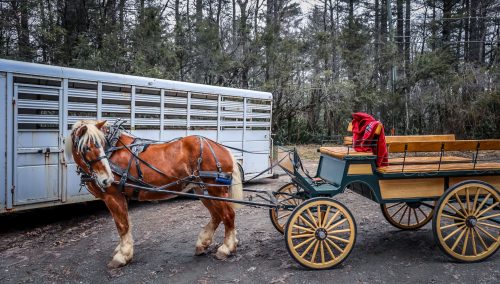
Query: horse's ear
(81,131)
(100,124)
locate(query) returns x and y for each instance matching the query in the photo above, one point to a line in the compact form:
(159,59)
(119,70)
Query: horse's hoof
(200,250)
(117,261)
(222,253)
(115,264)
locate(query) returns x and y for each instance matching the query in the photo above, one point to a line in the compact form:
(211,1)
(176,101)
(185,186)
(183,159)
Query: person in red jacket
(364,137)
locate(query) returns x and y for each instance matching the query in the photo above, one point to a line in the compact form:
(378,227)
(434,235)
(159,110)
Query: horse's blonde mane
(93,134)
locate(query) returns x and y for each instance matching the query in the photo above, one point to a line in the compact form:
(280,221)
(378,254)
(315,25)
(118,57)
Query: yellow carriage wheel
(466,221)
(407,215)
(285,195)
(320,233)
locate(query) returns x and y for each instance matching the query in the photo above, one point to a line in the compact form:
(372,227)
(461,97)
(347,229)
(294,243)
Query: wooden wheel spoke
(337,224)
(473,241)
(322,251)
(308,248)
(315,250)
(338,239)
(404,212)
(453,233)
(416,217)
(455,209)
(476,196)
(335,246)
(423,213)
(409,215)
(467,200)
(394,205)
(488,216)
(302,236)
(339,231)
(457,241)
(330,249)
(482,204)
(320,221)
(460,202)
(326,215)
(404,206)
(486,233)
(303,228)
(332,219)
(464,247)
(306,221)
(284,215)
(488,209)
(481,240)
(315,222)
(301,244)
(452,225)
(452,217)
(489,225)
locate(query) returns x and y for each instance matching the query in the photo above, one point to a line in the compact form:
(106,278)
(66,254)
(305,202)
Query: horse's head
(86,143)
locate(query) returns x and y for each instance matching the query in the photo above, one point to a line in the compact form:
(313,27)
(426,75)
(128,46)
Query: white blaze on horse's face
(104,176)
(90,151)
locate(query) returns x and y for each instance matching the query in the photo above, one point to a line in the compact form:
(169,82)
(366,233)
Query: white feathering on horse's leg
(125,250)
(205,237)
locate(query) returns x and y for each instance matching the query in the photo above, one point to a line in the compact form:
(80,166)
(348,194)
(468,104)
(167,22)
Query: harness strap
(200,159)
(217,164)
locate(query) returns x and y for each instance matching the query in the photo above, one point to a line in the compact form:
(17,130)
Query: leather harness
(138,146)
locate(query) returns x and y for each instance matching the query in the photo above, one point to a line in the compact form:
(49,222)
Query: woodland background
(421,67)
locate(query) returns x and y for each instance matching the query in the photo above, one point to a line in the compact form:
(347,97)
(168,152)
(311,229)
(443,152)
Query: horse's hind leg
(230,242)
(117,205)
(207,233)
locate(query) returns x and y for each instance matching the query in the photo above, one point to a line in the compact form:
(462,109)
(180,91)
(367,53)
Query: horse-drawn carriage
(425,178)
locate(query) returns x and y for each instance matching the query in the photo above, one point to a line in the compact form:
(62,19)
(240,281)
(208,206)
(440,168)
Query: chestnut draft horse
(105,158)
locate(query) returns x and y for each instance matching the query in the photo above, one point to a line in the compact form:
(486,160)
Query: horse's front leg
(207,233)
(117,205)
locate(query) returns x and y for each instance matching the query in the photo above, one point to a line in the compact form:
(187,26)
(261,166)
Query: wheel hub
(413,205)
(471,221)
(321,234)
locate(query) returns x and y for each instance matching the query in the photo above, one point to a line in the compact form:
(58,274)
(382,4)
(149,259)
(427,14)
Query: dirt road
(74,243)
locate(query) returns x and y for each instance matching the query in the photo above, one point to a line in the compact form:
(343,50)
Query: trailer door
(37,113)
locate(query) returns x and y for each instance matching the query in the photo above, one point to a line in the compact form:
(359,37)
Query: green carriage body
(360,175)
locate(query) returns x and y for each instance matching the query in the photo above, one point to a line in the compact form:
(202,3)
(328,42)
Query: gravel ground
(74,244)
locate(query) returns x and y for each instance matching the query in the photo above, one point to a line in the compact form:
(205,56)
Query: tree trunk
(399,28)
(447,23)
(407,36)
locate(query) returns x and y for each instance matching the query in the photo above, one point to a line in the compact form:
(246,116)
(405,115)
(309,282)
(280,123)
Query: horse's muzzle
(105,182)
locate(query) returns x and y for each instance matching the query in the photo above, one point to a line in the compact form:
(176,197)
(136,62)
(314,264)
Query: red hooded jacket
(363,134)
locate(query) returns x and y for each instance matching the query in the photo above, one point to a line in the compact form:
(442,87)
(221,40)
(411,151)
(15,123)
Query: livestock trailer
(40,103)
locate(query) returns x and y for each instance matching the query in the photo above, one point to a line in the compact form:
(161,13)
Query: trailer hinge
(13,101)
(12,189)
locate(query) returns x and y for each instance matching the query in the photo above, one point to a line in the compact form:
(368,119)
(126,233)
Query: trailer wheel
(284,195)
(407,215)
(320,233)
(466,221)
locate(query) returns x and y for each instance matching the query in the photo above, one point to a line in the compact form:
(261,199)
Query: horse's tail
(236,191)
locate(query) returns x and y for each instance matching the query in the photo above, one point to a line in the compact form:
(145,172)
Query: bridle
(89,175)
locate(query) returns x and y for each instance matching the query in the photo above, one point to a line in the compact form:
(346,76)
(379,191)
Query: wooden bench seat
(427,160)
(419,138)
(431,146)
(435,167)
(410,138)
(342,152)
